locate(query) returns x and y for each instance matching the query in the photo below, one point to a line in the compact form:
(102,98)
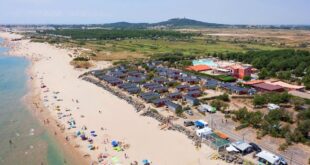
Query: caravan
(204,132)
(206,108)
(266,157)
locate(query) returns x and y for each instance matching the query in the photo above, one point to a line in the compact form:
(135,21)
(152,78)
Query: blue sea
(23,141)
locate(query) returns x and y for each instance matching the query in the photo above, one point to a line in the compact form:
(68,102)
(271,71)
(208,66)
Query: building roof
(199,68)
(253,82)
(194,88)
(188,97)
(172,105)
(286,85)
(191,93)
(182,86)
(268,87)
(158,101)
(241,145)
(174,94)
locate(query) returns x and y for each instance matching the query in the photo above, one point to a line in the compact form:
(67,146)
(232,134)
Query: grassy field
(142,48)
(210,41)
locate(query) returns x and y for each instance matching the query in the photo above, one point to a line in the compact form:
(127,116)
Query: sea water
(23,141)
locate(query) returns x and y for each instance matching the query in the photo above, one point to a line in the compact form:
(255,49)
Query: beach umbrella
(115,160)
(145,161)
(114,143)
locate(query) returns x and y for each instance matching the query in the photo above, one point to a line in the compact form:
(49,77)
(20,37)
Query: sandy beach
(63,97)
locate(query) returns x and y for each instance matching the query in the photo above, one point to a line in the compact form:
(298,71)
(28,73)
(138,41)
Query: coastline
(34,103)
(155,144)
(32,100)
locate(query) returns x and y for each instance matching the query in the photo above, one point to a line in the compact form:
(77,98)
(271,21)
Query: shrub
(223,97)
(80,59)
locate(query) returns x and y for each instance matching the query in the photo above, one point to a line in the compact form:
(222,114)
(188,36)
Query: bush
(247,78)
(283,146)
(80,59)
(179,111)
(223,97)
(276,98)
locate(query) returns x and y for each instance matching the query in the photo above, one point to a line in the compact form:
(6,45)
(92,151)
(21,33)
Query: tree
(223,97)
(263,74)
(259,100)
(297,102)
(179,111)
(247,78)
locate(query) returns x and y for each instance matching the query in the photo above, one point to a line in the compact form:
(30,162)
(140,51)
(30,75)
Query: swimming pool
(208,62)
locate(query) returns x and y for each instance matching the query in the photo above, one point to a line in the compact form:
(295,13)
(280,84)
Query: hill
(171,23)
(184,22)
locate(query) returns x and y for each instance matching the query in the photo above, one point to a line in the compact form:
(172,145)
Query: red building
(264,87)
(240,71)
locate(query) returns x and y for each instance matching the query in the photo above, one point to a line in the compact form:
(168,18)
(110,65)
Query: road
(294,155)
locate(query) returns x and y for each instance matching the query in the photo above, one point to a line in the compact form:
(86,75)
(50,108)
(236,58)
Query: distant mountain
(174,23)
(171,23)
(124,25)
(184,22)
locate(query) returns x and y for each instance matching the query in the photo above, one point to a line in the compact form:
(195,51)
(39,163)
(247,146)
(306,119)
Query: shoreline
(33,104)
(143,135)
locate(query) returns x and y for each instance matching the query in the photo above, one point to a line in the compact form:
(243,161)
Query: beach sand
(117,120)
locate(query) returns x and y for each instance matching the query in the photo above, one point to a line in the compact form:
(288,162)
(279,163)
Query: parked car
(189,112)
(282,161)
(255,147)
(188,123)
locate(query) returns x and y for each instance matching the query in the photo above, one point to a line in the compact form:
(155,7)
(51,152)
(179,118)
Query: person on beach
(11,142)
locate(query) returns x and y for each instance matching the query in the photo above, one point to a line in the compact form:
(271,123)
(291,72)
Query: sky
(107,11)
